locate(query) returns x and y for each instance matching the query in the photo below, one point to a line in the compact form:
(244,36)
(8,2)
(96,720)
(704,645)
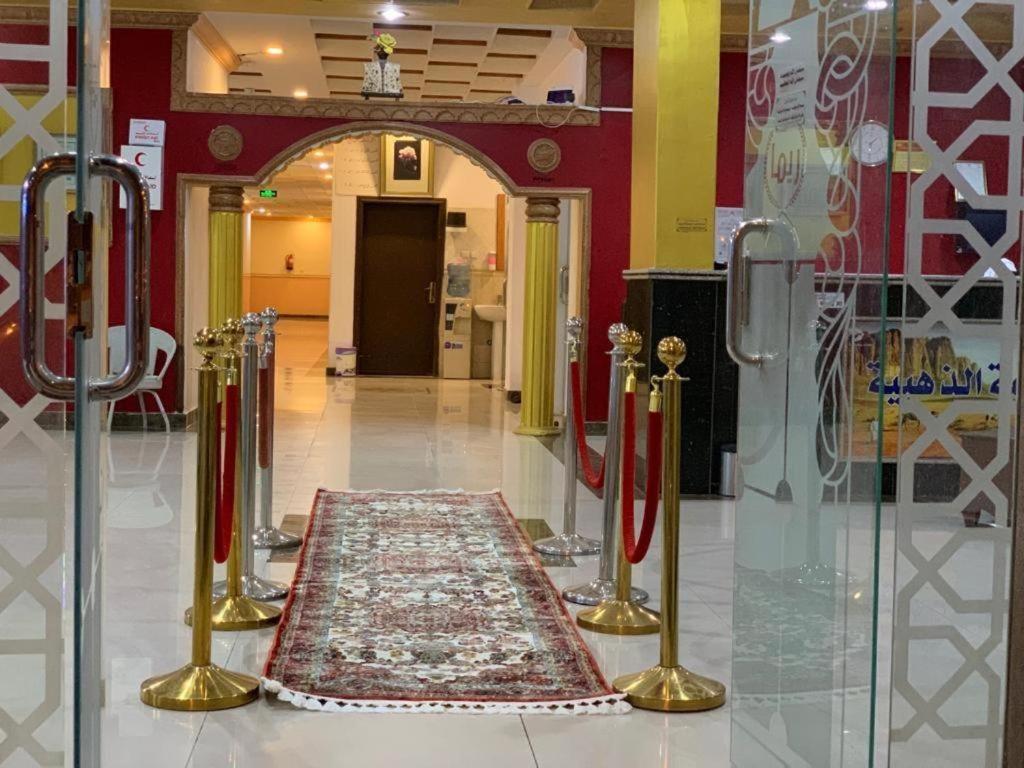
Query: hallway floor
(403,435)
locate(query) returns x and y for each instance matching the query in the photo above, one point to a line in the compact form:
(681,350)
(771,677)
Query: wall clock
(869,144)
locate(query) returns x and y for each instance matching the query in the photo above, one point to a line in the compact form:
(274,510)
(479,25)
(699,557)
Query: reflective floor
(402,435)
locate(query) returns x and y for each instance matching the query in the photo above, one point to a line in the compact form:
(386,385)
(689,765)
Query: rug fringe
(420,492)
(612,704)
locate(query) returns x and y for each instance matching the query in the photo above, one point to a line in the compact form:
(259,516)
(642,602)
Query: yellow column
(225,254)
(537,416)
(675,133)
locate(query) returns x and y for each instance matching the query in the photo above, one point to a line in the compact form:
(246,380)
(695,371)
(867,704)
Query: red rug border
(300,569)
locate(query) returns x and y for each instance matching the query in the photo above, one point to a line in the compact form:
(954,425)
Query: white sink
(495,313)
(492,313)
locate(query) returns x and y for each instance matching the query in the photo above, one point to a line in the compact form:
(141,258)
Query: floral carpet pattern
(428,602)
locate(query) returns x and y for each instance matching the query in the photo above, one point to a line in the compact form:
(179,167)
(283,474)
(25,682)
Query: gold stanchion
(236,612)
(669,687)
(619,616)
(200,686)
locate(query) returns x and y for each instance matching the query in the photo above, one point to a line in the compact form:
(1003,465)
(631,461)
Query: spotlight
(300,93)
(780,37)
(261,210)
(876,5)
(324,166)
(391,13)
(274,50)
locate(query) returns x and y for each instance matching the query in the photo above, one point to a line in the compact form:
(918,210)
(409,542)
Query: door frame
(441,205)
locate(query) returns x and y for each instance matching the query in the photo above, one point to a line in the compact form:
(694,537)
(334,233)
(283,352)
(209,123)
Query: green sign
(268,193)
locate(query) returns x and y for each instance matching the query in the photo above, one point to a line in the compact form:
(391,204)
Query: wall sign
(146,133)
(150,161)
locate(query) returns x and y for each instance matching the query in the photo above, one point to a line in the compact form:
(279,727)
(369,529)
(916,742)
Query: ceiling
(303,187)
(439,61)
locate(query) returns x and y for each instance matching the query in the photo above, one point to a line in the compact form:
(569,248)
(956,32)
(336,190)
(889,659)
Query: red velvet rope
(593,477)
(636,548)
(218,469)
(265,416)
(226,499)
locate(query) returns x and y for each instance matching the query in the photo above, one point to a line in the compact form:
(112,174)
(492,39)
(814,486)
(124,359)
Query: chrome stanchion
(266,536)
(603,587)
(202,686)
(252,585)
(569,543)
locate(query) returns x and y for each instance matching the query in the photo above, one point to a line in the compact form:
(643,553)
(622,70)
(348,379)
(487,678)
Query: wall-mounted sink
(492,313)
(495,314)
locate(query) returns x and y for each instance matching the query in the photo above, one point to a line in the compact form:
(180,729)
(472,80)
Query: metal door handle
(33,298)
(563,285)
(736,292)
(432,293)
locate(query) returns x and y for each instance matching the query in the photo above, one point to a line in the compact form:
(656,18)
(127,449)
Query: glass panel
(960,183)
(37,117)
(812,305)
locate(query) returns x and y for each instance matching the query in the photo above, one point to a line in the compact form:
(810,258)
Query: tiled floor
(396,434)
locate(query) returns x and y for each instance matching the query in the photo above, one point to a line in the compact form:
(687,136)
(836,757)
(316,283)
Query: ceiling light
(300,93)
(780,37)
(328,176)
(274,50)
(876,5)
(391,13)
(261,210)
(318,153)
(324,166)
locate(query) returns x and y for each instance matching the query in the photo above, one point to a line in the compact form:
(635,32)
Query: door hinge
(79,276)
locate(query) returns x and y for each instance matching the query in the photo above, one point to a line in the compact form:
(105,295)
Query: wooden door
(399,263)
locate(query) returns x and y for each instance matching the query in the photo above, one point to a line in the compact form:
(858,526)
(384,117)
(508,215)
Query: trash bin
(727,475)
(345,361)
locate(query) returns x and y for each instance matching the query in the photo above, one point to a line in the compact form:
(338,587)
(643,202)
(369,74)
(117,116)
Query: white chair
(159,341)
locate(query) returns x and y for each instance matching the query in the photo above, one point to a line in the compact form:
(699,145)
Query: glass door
(807,288)
(54,230)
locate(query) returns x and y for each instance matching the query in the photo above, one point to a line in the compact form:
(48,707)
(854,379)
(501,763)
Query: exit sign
(268,193)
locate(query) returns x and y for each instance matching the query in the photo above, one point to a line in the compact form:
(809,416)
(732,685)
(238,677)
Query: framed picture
(974,174)
(406,166)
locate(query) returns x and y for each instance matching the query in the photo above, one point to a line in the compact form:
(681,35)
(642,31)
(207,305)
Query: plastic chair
(159,341)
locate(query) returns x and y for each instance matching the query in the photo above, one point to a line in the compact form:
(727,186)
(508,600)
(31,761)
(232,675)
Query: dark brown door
(399,261)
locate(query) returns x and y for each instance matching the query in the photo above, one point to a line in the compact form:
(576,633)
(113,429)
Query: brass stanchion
(235,611)
(670,687)
(200,685)
(620,615)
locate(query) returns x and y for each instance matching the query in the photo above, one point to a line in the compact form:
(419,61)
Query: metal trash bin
(727,474)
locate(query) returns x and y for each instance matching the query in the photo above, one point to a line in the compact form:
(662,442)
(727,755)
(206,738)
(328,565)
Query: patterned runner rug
(428,602)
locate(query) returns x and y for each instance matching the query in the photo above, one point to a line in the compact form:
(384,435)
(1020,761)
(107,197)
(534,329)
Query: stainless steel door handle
(432,293)
(563,285)
(33,299)
(737,279)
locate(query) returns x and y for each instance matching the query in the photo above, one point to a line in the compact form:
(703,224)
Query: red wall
(593,157)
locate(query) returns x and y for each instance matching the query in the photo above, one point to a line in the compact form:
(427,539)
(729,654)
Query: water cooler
(457,338)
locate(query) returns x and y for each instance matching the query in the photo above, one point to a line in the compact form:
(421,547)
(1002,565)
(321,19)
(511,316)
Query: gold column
(225,253)
(537,416)
(675,133)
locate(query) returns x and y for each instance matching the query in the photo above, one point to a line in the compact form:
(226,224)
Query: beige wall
(308,240)
(204,74)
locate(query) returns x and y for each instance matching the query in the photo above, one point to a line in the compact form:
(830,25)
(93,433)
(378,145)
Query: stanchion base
(568,545)
(256,588)
(537,431)
(274,538)
(200,689)
(617,617)
(240,614)
(671,689)
(599,591)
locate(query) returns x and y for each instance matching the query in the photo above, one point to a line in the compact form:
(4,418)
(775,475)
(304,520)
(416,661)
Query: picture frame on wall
(406,166)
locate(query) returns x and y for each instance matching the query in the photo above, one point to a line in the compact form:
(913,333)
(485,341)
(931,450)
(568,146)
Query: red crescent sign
(138,159)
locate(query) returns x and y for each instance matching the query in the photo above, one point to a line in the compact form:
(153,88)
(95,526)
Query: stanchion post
(569,543)
(621,615)
(201,686)
(603,587)
(233,609)
(669,687)
(266,536)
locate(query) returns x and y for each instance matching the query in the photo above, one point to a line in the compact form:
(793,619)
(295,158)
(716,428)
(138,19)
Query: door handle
(33,298)
(737,280)
(563,285)
(431,292)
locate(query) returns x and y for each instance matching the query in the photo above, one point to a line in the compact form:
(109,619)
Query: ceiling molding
(118,18)
(605,38)
(215,43)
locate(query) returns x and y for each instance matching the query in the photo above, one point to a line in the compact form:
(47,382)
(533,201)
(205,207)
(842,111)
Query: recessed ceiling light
(274,50)
(324,166)
(391,13)
(300,93)
(328,176)
(318,153)
(780,37)
(261,210)
(876,5)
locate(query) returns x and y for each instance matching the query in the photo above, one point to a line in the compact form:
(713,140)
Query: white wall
(203,73)
(197,282)
(562,65)
(309,241)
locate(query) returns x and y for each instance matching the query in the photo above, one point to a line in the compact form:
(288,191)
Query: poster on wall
(407,166)
(150,162)
(937,372)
